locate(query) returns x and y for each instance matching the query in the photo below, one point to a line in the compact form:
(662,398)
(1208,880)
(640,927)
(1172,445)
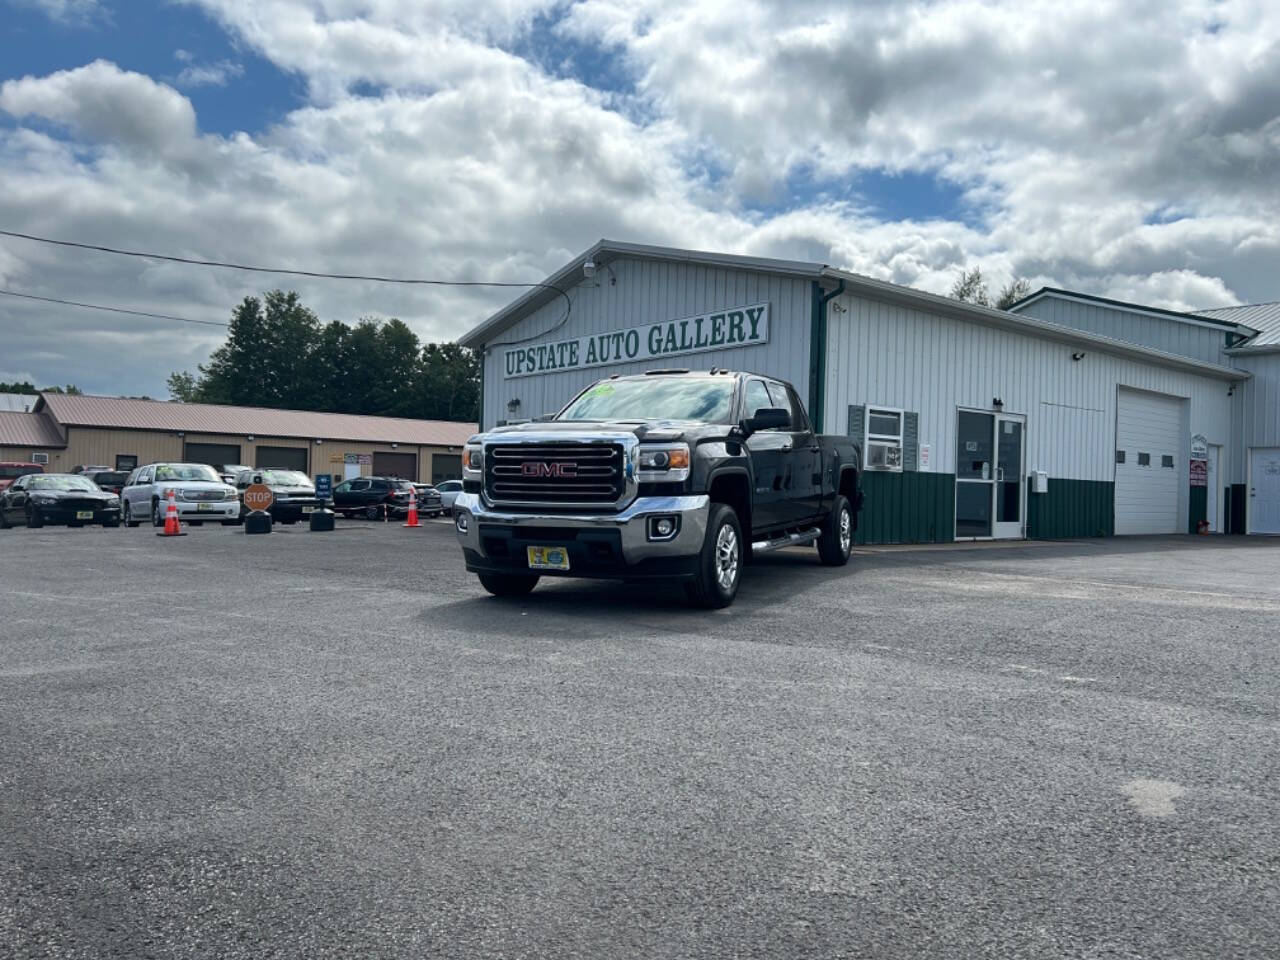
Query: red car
(12,470)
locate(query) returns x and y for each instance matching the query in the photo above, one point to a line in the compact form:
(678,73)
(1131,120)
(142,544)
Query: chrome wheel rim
(846,531)
(726,557)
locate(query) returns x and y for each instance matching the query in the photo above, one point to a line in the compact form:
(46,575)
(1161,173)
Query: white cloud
(64,11)
(209,74)
(1140,164)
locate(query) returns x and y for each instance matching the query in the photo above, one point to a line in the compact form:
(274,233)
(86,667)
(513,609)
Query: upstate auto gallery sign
(735,327)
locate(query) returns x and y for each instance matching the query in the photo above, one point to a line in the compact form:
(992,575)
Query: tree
(277,354)
(23,386)
(1012,292)
(971,288)
(182,386)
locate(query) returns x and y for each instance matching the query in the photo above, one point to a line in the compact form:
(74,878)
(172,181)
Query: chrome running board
(790,540)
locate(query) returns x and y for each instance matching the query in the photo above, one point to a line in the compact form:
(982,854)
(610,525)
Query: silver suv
(198,490)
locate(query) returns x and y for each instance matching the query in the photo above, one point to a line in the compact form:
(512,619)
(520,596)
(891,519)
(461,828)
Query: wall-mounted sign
(734,327)
(1199,447)
(926,454)
(1199,473)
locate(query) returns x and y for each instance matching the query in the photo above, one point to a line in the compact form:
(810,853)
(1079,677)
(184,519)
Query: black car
(374,497)
(66,498)
(429,502)
(111,481)
(295,494)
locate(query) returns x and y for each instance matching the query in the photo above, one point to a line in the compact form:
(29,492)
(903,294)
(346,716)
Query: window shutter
(911,441)
(858,426)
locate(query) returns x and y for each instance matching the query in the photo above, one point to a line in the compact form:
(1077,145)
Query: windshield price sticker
(745,326)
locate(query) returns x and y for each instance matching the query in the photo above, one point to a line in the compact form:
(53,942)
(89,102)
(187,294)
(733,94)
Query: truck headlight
(664,462)
(472,462)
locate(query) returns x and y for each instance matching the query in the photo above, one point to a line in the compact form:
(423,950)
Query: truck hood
(651,430)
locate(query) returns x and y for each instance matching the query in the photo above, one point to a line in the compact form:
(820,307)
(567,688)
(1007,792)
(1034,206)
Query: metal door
(1010,479)
(1264,490)
(990,483)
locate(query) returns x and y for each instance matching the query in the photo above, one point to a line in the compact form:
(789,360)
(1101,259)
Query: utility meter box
(1039,481)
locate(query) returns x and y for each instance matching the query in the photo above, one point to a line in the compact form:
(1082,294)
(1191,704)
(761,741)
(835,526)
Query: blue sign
(324,486)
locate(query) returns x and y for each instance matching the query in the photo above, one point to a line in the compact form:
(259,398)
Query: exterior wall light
(1078,356)
(997,403)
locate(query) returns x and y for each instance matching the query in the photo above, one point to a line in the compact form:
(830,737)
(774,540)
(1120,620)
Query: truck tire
(720,561)
(837,534)
(507,584)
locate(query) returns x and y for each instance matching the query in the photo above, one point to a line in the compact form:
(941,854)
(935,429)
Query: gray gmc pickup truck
(671,474)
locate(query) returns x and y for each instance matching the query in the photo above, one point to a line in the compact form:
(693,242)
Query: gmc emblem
(537,468)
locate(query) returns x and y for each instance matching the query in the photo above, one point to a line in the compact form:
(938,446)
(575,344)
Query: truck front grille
(555,474)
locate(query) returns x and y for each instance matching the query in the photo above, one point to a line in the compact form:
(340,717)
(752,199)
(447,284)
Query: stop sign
(258,496)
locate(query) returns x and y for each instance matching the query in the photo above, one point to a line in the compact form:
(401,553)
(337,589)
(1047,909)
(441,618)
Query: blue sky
(145,36)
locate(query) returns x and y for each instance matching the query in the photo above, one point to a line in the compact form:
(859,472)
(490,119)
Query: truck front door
(770,452)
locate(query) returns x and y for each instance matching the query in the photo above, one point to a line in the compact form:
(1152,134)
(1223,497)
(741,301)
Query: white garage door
(1148,462)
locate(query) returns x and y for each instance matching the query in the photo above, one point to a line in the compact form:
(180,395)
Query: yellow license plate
(306,510)
(548,558)
(84,514)
(204,506)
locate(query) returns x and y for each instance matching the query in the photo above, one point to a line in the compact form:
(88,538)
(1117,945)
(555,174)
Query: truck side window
(757,398)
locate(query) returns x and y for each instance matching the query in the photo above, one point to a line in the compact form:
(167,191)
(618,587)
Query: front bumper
(56,514)
(611,545)
(205,509)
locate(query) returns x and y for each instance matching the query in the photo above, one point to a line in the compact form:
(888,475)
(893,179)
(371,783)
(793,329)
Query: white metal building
(958,407)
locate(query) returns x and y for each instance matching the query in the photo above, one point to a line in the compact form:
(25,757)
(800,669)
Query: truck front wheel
(837,535)
(720,562)
(507,584)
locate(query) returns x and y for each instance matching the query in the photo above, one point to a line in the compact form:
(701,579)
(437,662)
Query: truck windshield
(709,399)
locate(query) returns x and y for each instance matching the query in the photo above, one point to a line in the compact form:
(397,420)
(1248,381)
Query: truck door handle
(815,448)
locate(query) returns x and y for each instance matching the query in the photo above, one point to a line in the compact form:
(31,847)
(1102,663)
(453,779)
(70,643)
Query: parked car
(88,467)
(429,501)
(111,481)
(295,494)
(40,498)
(198,492)
(449,491)
(229,472)
(374,497)
(11,470)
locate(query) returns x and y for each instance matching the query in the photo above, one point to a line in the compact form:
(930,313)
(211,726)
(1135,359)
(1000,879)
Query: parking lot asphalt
(336,745)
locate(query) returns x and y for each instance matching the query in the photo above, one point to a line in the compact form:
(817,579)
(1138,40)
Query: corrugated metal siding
(919,362)
(1257,409)
(1263,317)
(28,429)
(650,291)
(1187,339)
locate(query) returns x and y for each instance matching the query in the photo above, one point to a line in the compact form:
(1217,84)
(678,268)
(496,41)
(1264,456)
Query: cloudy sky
(1128,148)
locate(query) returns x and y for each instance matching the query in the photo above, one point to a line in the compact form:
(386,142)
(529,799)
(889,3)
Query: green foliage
(26,387)
(971,287)
(278,354)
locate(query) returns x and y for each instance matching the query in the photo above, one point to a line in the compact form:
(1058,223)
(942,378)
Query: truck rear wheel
(720,562)
(837,534)
(507,584)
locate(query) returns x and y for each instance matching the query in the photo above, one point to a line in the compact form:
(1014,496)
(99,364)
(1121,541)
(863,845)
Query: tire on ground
(507,584)
(837,534)
(720,561)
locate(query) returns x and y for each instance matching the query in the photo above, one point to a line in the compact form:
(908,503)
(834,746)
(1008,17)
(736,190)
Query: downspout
(818,351)
(480,413)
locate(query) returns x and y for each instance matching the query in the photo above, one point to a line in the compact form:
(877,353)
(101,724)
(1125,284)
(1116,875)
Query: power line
(568,302)
(98,306)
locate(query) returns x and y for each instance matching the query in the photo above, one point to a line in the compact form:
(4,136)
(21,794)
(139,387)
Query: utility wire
(98,306)
(301,273)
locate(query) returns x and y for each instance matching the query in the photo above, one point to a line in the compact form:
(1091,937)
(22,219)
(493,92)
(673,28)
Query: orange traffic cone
(172,527)
(413,509)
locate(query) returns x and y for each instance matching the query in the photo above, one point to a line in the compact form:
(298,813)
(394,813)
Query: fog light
(663,528)
(460,521)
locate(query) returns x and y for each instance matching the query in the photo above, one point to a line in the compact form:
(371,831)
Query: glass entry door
(990,483)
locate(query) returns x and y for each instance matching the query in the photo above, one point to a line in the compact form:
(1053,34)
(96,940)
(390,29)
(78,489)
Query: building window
(1166,461)
(126,461)
(1144,459)
(884,439)
(1119,456)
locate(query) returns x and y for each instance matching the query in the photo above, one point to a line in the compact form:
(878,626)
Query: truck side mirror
(766,418)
